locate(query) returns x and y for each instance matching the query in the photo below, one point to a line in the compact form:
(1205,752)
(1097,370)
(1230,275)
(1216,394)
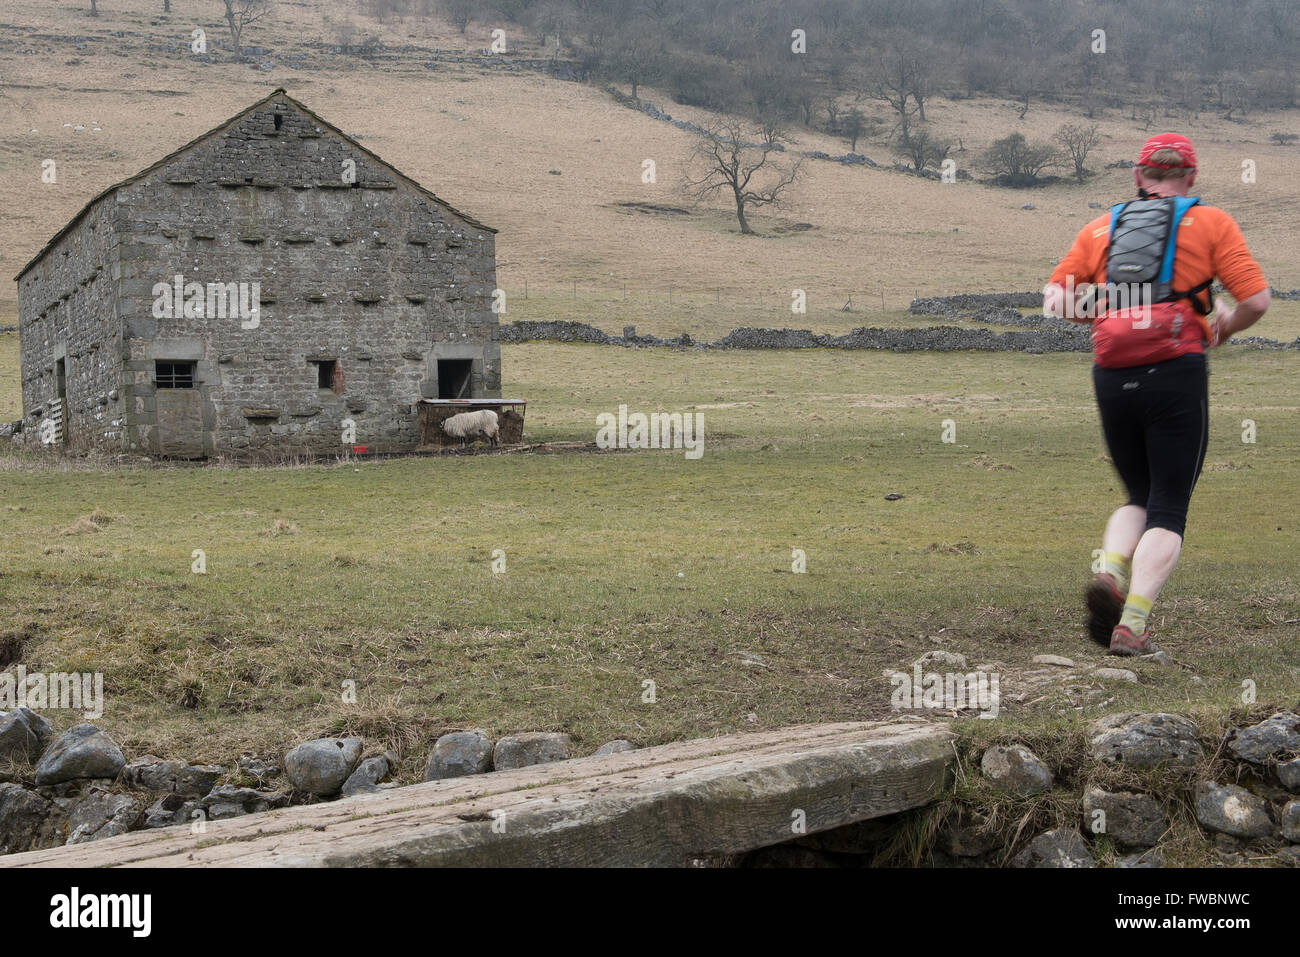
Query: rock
(614,747)
(1232,810)
(28,821)
(168,810)
(534,747)
(259,768)
(1115,674)
(1131,820)
(1160,658)
(366,777)
(934,660)
(1150,858)
(968,835)
(1289,820)
(152,773)
(1059,847)
(1145,740)
(1288,772)
(23,735)
(458,754)
(222,799)
(80,752)
(321,766)
(103,814)
(1290,855)
(1016,769)
(1053,660)
(1279,734)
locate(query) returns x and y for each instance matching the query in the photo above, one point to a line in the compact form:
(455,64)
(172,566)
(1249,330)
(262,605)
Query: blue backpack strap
(1114,217)
(1181,205)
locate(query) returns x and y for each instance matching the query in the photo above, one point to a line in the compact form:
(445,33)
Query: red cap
(1168,141)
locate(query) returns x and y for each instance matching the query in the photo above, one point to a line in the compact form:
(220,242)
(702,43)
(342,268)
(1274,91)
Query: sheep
(473,425)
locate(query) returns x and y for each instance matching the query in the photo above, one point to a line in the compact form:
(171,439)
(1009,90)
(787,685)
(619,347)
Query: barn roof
(280,92)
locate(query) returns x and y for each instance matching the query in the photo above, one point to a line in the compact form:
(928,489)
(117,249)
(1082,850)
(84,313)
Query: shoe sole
(1104,612)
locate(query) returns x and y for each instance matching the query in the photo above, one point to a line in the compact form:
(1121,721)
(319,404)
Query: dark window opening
(174,375)
(278,120)
(328,374)
(454,378)
(61,378)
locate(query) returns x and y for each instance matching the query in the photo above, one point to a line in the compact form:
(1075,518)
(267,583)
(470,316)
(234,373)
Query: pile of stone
(1255,812)
(929,339)
(970,301)
(82,788)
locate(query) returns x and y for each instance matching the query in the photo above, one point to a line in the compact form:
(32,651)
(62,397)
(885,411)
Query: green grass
(624,567)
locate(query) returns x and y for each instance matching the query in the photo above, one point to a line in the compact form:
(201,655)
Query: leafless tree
(902,75)
(923,148)
(740,159)
(1017,162)
(1078,141)
(239,14)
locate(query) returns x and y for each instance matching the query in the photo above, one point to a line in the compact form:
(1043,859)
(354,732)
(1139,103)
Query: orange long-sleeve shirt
(1209,245)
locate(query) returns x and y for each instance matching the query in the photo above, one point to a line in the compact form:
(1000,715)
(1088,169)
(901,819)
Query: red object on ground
(360,449)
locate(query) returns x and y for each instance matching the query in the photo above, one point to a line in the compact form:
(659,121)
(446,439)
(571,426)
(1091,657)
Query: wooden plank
(665,805)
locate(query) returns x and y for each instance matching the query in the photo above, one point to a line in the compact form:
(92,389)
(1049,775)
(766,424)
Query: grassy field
(628,567)
(624,567)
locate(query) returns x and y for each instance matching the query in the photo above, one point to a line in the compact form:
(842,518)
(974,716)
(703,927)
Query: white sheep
(473,425)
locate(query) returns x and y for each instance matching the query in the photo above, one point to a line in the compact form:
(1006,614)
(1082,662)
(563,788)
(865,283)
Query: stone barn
(271,286)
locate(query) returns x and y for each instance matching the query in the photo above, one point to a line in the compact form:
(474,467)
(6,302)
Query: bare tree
(749,171)
(853,126)
(239,14)
(638,57)
(459,12)
(94,8)
(923,148)
(1017,162)
(902,74)
(1078,141)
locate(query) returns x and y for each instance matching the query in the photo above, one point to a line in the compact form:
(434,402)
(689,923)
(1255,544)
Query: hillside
(106,96)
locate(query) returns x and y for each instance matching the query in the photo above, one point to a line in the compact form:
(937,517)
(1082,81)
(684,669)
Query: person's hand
(1219,331)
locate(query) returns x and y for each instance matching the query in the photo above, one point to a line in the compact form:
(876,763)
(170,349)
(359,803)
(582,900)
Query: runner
(1153,261)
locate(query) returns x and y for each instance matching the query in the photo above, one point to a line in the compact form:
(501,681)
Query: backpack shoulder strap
(1181,204)
(1114,217)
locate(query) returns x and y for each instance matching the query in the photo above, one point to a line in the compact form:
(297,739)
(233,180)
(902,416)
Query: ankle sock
(1136,611)
(1118,567)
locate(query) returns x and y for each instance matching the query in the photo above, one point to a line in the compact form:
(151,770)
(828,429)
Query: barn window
(174,375)
(454,378)
(278,120)
(327,374)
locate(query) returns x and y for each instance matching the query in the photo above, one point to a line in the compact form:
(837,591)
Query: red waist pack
(1142,335)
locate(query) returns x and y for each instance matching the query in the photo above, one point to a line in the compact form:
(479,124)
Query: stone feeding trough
(433,412)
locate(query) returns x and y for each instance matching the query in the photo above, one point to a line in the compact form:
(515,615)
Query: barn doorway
(454,378)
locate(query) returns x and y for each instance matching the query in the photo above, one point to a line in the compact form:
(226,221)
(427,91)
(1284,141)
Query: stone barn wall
(355,268)
(372,275)
(67,311)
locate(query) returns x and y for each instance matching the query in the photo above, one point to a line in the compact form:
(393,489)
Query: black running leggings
(1156,422)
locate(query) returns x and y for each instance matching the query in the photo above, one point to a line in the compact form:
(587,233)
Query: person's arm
(1244,280)
(1228,322)
(1075,273)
